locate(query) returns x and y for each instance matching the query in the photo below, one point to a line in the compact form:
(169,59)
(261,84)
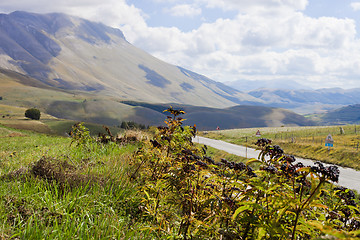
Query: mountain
(75,69)
(71,53)
(247,85)
(308,101)
(241,116)
(345,115)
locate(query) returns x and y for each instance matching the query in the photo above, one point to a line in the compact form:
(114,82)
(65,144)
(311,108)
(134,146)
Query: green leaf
(253,160)
(239,210)
(262,233)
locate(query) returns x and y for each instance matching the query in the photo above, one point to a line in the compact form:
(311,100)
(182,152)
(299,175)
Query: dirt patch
(61,172)
(24,124)
(16,135)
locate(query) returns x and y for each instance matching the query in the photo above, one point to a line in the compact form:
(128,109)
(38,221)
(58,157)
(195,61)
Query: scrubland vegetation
(159,185)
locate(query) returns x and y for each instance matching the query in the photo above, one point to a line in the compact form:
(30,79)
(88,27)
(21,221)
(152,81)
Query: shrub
(33,113)
(187,195)
(132,125)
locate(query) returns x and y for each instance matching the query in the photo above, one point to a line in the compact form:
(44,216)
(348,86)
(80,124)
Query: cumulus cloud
(355,6)
(245,5)
(184,10)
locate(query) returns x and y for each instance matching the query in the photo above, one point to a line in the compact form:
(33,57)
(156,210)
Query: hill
(75,69)
(71,53)
(345,115)
(307,101)
(241,116)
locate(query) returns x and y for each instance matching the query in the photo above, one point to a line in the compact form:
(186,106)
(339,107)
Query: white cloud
(246,5)
(355,6)
(184,10)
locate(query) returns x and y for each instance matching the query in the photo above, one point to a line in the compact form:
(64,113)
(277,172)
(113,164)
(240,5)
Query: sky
(313,42)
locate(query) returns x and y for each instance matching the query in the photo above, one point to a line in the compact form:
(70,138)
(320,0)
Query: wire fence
(344,136)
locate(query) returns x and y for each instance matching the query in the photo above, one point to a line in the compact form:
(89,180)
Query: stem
(133,175)
(296,220)
(299,210)
(251,217)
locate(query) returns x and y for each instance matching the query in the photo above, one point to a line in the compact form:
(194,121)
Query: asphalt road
(349,178)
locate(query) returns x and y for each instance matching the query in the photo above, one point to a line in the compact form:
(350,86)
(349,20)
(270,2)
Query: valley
(85,71)
(212,132)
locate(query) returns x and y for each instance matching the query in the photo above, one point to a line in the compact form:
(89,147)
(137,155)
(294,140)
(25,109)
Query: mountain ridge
(76,54)
(76,69)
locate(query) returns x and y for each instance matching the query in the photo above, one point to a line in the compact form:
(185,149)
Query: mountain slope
(308,101)
(76,69)
(345,115)
(247,85)
(75,54)
(243,116)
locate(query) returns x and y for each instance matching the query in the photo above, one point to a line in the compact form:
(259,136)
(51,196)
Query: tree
(33,113)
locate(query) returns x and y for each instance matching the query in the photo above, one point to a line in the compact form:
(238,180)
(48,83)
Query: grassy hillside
(70,53)
(345,115)
(13,117)
(24,92)
(242,116)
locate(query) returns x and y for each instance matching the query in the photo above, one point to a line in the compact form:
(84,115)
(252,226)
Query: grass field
(51,188)
(305,142)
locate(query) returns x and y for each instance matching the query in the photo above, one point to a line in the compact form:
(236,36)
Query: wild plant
(185,194)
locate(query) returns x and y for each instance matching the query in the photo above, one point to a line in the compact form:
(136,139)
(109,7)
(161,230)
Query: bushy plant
(187,195)
(33,113)
(132,125)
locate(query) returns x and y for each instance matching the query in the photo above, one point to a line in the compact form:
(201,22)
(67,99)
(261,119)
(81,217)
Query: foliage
(187,195)
(164,188)
(132,125)
(33,113)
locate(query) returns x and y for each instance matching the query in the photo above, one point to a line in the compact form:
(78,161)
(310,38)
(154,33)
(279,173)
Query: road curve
(349,177)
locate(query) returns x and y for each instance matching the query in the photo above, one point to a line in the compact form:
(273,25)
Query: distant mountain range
(73,68)
(308,101)
(345,115)
(247,85)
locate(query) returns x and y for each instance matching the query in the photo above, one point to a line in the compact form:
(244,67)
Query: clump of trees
(33,113)
(132,125)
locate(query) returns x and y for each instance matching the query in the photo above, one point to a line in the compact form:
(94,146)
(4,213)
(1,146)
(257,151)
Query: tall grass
(52,189)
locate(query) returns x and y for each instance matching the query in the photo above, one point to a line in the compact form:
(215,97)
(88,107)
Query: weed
(185,194)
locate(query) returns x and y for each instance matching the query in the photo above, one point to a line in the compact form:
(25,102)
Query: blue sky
(313,42)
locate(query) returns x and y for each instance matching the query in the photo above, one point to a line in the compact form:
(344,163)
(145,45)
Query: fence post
(246,146)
